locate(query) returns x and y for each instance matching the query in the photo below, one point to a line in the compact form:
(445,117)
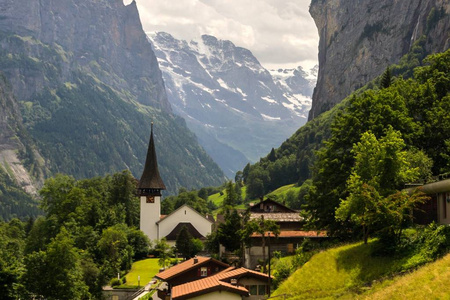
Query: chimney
(195,259)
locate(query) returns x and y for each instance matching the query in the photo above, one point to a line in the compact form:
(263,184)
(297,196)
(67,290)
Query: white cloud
(280,33)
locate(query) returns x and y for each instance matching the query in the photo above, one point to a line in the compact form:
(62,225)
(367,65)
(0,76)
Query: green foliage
(56,273)
(91,222)
(411,107)
(12,244)
(386,79)
(212,243)
(371,29)
(184,243)
(191,198)
(231,196)
(163,251)
(426,245)
(115,282)
(228,230)
(15,202)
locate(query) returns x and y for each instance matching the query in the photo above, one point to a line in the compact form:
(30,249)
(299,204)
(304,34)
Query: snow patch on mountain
(247,108)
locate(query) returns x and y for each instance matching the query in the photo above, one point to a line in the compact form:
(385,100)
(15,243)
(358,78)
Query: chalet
(291,233)
(207,278)
(232,283)
(437,208)
(286,218)
(152,223)
(190,270)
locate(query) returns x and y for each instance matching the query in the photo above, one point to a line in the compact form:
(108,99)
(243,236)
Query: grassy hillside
(428,282)
(341,272)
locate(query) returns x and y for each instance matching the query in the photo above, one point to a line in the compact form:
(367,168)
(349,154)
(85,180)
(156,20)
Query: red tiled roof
(204,286)
(216,282)
(292,233)
(162,217)
(186,266)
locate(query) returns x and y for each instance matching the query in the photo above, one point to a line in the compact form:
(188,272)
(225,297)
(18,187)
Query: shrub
(115,282)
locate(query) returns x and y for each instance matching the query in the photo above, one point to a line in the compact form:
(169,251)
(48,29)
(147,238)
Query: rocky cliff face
(15,142)
(102,37)
(88,85)
(359,39)
(237,108)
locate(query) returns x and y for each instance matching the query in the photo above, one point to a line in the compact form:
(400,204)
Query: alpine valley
(238,109)
(79,88)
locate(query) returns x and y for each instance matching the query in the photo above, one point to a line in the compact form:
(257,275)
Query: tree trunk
(365,234)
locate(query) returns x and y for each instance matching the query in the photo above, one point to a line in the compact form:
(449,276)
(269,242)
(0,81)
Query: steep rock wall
(360,38)
(102,37)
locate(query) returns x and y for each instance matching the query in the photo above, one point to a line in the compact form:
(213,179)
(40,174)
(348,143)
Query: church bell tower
(149,191)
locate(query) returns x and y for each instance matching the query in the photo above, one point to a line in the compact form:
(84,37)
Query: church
(152,223)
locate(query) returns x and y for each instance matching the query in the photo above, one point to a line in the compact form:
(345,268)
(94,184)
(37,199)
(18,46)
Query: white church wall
(184,214)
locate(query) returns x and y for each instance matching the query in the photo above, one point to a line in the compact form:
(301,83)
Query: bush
(427,245)
(283,270)
(115,282)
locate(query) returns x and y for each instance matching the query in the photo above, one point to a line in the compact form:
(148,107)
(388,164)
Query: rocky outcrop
(359,39)
(103,37)
(14,141)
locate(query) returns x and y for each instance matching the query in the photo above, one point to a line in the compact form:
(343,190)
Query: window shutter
(209,271)
(199,272)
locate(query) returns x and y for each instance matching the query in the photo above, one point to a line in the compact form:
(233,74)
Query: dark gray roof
(150,178)
(191,229)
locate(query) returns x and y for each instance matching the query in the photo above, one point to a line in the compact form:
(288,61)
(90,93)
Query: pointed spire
(151,182)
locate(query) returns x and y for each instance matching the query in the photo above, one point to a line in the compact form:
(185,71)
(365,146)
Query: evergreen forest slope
(82,90)
(417,107)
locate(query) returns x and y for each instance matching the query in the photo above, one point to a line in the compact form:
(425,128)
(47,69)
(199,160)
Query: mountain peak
(229,99)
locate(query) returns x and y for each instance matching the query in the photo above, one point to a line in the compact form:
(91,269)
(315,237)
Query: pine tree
(386,79)
(184,242)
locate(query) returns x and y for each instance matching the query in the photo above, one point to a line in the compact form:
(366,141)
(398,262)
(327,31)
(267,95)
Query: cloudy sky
(280,33)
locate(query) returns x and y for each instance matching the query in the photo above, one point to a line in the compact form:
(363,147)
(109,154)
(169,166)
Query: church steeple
(151,183)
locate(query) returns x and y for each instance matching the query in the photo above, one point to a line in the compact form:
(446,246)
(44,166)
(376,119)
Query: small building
(286,218)
(291,233)
(232,283)
(437,208)
(190,270)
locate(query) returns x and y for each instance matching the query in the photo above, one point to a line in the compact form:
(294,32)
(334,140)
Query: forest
(319,156)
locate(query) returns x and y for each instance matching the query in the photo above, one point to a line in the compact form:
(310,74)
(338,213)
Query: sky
(279,33)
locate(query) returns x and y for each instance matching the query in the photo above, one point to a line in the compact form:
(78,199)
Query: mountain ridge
(88,86)
(228,98)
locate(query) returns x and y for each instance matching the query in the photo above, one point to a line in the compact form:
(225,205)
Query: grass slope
(428,282)
(146,268)
(281,193)
(339,273)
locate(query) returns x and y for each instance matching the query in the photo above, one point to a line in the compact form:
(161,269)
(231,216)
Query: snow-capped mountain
(237,108)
